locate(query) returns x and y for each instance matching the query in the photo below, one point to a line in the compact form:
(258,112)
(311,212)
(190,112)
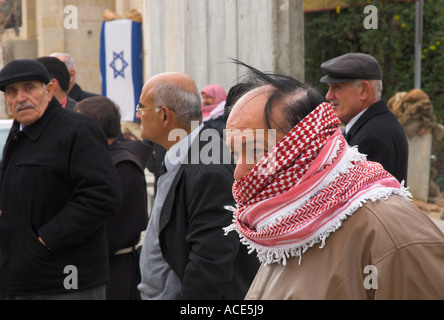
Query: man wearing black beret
(355,87)
(58,187)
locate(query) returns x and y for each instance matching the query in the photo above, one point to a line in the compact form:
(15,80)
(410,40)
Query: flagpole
(418,42)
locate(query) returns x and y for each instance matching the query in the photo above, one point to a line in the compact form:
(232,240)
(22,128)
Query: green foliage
(332,33)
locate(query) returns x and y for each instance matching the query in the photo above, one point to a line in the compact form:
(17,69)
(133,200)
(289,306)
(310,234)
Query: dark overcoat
(380,136)
(209,264)
(130,159)
(57,182)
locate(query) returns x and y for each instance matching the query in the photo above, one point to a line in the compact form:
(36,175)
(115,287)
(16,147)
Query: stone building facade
(198,37)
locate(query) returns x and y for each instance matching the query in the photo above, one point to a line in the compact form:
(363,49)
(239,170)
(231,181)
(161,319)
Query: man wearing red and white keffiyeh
(311,186)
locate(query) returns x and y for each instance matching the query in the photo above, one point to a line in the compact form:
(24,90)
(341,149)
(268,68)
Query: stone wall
(83,44)
(43,24)
(200,37)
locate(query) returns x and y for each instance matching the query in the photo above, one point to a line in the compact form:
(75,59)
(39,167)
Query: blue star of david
(113,65)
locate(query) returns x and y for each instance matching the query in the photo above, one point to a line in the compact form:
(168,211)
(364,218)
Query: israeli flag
(121,65)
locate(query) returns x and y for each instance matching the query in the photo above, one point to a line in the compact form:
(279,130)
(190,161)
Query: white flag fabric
(121,65)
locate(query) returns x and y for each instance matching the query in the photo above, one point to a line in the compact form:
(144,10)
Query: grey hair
(376,85)
(186,105)
(67,59)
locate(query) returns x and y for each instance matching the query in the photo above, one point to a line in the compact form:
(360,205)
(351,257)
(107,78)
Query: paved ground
(433,209)
(440,223)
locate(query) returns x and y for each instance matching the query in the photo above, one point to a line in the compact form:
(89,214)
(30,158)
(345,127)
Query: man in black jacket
(75,92)
(60,78)
(185,254)
(58,187)
(130,159)
(355,86)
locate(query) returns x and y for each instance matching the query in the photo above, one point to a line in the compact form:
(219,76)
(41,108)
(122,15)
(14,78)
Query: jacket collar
(375,109)
(34,130)
(177,153)
(193,155)
(136,151)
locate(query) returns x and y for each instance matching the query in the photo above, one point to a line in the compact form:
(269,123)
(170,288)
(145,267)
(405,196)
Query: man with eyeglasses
(58,187)
(185,254)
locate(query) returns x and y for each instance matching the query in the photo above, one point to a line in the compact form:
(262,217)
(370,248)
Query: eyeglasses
(139,110)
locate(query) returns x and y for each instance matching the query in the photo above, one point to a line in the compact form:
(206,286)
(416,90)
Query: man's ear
(72,75)
(365,89)
(55,83)
(50,89)
(166,115)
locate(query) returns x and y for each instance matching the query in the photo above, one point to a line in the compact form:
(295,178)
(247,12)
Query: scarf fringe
(351,156)
(280,255)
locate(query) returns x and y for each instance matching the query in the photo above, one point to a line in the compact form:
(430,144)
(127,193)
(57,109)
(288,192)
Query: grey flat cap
(351,66)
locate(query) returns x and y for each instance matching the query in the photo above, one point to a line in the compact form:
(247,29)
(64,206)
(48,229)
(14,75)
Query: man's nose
(242,169)
(329,96)
(21,95)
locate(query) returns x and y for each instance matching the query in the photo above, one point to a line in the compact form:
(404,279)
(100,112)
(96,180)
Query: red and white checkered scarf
(303,189)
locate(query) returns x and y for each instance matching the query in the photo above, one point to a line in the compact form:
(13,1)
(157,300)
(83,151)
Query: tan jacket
(401,247)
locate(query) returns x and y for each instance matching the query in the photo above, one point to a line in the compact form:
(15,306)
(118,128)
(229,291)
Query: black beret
(351,66)
(23,70)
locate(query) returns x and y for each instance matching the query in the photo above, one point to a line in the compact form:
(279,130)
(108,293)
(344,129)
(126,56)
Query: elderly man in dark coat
(58,187)
(355,86)
(185,254)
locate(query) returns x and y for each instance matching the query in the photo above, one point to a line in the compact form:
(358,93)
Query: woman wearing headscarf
(213,107)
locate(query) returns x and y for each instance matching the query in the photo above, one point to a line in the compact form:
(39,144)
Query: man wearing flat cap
(58,187)
(355,87)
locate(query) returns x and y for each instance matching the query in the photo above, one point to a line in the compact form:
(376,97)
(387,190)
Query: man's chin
(26,118)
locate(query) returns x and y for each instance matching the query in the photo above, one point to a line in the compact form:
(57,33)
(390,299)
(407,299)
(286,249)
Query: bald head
(178,92)
(263,92)
(168,101)
(180,80)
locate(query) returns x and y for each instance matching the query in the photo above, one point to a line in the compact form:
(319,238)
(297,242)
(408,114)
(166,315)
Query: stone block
(19,49)
(418,175)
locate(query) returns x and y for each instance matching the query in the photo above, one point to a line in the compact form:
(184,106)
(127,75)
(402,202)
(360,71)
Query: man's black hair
(57,70)
(295,98)
(234,94)
(104,111)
